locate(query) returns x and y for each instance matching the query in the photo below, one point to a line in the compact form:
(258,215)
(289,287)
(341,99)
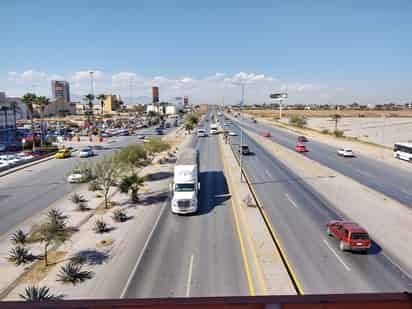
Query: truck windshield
(184,187)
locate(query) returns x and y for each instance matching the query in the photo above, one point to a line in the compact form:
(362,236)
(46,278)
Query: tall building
(61,90)
(111,103)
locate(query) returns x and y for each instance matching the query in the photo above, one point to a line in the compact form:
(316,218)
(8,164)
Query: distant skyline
(322,51)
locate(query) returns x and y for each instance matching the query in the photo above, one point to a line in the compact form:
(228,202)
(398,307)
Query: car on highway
(77,176)
(86,152)
(267,134)
(245,150)
(231,133)
(141,136)
(63,153)
(351,236)
(300,148)
(201,132)
(302,139)
(159,131)
(345,152)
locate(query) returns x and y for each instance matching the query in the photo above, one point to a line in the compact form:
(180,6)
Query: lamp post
(241,131)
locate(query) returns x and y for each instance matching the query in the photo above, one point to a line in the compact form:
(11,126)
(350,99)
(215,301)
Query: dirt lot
(327,113)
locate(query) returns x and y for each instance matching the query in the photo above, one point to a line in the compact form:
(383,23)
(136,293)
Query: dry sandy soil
(328,113)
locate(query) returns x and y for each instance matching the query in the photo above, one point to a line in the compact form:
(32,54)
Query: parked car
(267,134)
(350,235)
(346,152)
(3,147)
(63,153)
(231,133)
(302,139)
(301,148)
(201,132)
(245,150)
(86,152)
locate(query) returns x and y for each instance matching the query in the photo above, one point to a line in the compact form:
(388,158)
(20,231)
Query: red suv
(300,148)
(351,235)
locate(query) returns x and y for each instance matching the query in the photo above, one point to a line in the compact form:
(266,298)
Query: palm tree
(336,118)
(42,102)
(29,99)
(89,98)
(101,97)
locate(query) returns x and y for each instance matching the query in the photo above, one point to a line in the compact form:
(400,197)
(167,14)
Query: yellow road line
(242,246)
(277,240)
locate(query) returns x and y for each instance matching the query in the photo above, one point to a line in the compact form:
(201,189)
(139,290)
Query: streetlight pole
(241,131)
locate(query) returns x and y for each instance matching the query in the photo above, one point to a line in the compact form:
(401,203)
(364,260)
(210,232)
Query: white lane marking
(132,274)
(397,265)
(291,201)
(189,276)
(337,256)
(268,174)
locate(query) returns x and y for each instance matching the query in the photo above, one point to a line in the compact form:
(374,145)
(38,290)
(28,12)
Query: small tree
(189,126)
(335,118)
(20,255)
(52,232)
(132,157)
(19,237)
(298,121)
(105,173)
(131,184)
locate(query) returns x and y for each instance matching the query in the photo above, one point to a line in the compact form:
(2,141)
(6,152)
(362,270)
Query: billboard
(155,94)
(279,96)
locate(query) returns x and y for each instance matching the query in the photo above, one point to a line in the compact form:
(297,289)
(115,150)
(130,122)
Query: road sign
(279,96)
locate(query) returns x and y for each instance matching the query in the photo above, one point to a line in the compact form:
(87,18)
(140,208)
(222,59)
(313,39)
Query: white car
(76,177)
(345,152)
(86,152)
(201,132)
(232,133)
(4,163)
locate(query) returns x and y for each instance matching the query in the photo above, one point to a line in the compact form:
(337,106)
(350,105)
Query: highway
(196,255)
(30,190)
(386,179)
(299,216)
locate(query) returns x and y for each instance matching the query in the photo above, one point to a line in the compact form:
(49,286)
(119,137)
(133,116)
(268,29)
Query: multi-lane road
(32,189)
(299,215)
(196,255)
(387,179)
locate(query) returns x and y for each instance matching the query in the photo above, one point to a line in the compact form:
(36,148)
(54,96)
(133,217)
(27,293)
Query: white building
(21,110)
(164,108)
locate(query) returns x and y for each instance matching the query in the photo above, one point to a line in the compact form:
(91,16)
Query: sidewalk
(265,270)
(369,208)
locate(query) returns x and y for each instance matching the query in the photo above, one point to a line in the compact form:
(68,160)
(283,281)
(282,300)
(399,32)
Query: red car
(301,148)
(266,134)
(351,236)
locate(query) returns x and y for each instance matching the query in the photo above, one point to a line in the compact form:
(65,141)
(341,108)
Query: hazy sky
(320,51)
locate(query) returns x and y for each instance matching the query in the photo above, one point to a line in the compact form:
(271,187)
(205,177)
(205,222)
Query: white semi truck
(186,183)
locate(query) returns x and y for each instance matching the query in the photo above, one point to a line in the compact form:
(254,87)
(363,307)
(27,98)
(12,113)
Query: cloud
(31,76)
(248,78)
(302,87)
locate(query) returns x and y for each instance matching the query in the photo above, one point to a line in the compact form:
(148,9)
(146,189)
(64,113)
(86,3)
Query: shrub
(338,133)
(100,226)
(77,198)
(20,255)
(73,273)
(56,216)
(19,237)
(325,131)
(120,215)
(298,121)
(33,293)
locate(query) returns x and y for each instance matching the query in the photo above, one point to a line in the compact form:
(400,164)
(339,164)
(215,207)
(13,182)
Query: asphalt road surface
(196,255)
(299,216)
(386,179)
(30,190)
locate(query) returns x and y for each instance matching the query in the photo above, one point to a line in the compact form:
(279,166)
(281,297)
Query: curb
(23,166)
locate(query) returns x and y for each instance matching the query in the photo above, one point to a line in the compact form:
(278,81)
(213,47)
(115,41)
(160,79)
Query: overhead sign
(279,96)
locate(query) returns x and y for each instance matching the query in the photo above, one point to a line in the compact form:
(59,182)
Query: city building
(60,90)
(59,108)
(112,103)
(164,108)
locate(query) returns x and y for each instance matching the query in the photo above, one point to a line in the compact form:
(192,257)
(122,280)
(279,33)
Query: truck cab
(186,184)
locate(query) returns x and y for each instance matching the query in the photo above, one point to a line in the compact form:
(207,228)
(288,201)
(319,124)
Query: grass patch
(39,271)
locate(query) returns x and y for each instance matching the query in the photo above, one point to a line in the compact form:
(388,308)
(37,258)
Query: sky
(324,51)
